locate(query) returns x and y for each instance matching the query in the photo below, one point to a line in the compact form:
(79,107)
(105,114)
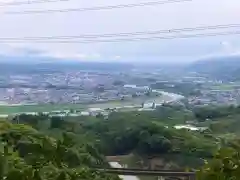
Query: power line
(30,2)
(128,39)
(131,34)
(96,8)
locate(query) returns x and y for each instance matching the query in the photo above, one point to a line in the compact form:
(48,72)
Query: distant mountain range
(37,64)
(222,68)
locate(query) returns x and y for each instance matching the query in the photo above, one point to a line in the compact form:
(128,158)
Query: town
(80,90)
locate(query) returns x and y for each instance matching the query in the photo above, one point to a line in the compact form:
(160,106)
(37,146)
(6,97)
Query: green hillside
(53,148)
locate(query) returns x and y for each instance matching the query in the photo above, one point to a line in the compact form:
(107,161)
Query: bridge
(159,173)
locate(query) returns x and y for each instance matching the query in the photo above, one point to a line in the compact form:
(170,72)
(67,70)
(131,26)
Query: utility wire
(30,2)
(96,8)
(129,34)
(128,39)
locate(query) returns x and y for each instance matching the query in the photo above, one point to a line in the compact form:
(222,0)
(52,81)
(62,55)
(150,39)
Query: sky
(149,18)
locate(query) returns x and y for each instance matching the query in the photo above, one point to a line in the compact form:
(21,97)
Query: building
(190,127)
(95,111)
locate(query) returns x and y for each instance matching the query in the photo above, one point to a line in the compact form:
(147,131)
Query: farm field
(5,109)
(14,109)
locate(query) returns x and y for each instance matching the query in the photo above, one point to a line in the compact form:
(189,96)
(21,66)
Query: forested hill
(27,154)
(40,147)
(223,68)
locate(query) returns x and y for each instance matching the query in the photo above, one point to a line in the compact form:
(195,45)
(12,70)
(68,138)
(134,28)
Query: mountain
(23,64)
(222,68)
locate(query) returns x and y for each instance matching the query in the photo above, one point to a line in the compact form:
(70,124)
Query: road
(124,177)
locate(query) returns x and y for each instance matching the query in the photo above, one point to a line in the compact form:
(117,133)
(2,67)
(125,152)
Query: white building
(85,113)
(95,111)
(190,127)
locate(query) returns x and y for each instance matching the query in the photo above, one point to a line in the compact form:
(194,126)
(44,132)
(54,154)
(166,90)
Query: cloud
(70,56)
(117,57)
(168,16)
(94,56)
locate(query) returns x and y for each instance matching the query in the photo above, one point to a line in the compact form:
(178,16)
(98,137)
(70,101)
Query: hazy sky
(166,16)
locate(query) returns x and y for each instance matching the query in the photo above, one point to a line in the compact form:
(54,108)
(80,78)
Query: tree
(56,122)
(118,83)
(224,166)
(134,95)
(155,144)
(34,156)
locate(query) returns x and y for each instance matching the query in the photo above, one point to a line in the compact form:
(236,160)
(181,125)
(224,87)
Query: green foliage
(27,154)
(223,121)
(56,122)
(224,166)
(32,120)
(66,148)
(123,133)
(213,112)
(139,132)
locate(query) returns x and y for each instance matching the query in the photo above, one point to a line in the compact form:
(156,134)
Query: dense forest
(27,154)
(43,147)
